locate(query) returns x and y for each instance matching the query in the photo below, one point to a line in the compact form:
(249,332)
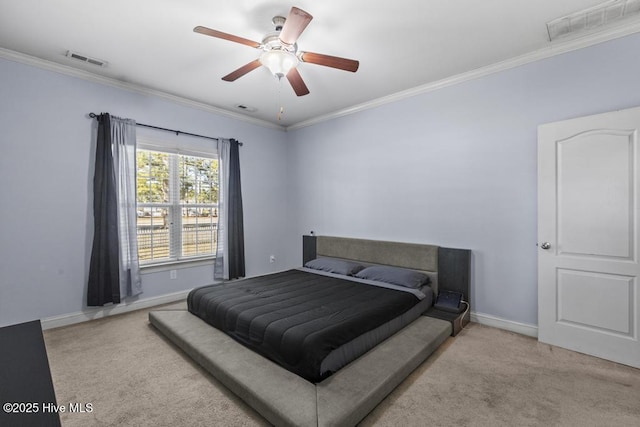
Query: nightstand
(451,277)
(457,322)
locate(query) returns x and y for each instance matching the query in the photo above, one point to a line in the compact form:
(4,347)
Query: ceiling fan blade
(242,71)
(295,24)
(330,61)
(219,34)
(297,83)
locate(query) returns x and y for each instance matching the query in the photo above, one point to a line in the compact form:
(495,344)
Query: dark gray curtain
(230,249)
(236,224)
(104,279)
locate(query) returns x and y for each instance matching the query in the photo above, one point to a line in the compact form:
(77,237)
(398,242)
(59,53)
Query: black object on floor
(26,389)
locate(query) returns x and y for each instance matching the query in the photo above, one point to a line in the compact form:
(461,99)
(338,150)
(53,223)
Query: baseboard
(100,312)
(508,325)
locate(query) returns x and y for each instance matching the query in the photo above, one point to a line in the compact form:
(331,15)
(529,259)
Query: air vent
(84,58)
(593,18)
(246,108)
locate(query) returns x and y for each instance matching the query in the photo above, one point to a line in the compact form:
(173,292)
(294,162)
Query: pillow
(394,275)
(333,265)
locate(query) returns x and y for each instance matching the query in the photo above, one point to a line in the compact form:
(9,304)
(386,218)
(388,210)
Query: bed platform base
(285,399)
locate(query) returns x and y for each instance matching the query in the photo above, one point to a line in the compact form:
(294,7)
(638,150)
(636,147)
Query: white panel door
(588,266)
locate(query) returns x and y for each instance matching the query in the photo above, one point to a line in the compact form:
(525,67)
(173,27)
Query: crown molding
(554,48)
(95,78)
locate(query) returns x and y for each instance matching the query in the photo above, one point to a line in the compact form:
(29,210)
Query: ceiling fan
(280,51)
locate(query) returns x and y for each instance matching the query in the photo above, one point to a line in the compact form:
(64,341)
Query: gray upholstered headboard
(407,255)
(449,268)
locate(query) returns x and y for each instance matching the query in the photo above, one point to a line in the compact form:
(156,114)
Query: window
(177,206)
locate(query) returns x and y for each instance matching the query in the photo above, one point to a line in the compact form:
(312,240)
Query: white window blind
(177,204)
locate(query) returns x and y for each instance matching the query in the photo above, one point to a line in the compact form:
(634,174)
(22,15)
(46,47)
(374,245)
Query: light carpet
(133,376)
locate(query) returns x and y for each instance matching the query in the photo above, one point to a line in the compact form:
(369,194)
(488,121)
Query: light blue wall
(46,170)
(457,166)
(454,167)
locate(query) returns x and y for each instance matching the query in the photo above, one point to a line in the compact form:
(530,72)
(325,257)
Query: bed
(347,376)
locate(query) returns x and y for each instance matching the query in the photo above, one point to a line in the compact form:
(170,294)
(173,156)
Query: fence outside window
(154,239)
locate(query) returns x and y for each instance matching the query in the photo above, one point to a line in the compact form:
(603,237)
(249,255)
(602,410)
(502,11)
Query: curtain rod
(177,132)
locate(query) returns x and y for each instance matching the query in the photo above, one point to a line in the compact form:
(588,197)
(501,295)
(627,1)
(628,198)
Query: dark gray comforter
(296,318)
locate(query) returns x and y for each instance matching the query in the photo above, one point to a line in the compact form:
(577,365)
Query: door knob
(545,245)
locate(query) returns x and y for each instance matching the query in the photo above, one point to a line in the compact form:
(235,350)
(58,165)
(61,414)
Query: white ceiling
(401,45)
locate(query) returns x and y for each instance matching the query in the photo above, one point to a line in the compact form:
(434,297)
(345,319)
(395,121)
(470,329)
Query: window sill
(176,265)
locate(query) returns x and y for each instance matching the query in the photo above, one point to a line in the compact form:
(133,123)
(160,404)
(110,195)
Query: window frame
(174,208)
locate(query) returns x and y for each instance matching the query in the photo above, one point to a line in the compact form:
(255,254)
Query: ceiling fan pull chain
(279,101)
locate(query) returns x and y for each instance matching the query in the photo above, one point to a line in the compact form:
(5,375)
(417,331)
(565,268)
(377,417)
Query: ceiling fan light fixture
(279,61)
